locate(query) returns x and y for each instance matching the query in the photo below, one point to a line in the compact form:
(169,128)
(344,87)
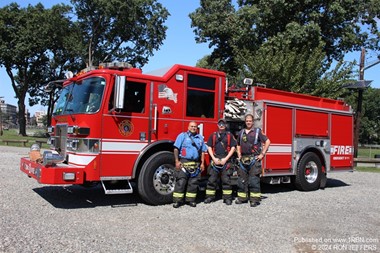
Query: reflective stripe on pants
(249,182)
(185,184)
(212,183)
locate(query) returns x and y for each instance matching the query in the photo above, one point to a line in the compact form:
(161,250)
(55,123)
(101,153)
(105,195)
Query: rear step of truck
(277,180)
(117,187)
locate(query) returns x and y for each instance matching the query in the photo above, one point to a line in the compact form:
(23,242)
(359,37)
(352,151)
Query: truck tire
(156,180)
(309,172)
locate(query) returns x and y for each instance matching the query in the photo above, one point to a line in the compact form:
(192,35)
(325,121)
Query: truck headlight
(76,130)
(50,158)
(50,129)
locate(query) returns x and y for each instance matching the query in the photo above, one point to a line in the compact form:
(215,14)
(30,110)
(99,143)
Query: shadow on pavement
(72,197)
(332,183)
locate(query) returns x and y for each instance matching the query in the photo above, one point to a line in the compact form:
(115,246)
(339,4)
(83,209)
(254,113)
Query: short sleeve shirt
(187,149)
(247,141)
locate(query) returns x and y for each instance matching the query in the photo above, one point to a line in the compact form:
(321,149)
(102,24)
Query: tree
(293,32)
(27,35)
(66,53)
(216,22)
(39,45)
(369,133)
(121,30)
(285,68)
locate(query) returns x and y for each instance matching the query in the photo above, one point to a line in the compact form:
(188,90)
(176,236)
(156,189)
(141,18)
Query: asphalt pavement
(344,217)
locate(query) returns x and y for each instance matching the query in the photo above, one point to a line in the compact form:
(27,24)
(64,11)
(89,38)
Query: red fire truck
(115,125)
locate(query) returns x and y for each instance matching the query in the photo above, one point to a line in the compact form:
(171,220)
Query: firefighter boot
(240,201)
(242,198)
(208,200)
(192,204)
(255,202)
(210,195)
(228,202)
(177,204)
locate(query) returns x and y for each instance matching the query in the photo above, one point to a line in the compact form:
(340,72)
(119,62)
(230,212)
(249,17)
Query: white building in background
(40,117)
(8,113)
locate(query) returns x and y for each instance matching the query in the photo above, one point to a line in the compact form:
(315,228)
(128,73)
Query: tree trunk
(21,117)
(50,108)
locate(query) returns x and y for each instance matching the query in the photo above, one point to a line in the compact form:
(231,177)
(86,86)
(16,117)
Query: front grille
(60,139)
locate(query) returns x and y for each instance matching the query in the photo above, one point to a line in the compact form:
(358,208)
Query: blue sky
(179,47)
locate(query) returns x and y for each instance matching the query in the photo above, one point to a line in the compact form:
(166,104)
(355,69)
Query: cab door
(125,130)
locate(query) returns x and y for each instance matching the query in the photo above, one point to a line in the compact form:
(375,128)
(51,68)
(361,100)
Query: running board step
(277,180)
(117,187)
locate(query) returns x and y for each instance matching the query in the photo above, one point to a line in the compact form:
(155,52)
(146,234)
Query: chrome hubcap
(311,172)
(164,180)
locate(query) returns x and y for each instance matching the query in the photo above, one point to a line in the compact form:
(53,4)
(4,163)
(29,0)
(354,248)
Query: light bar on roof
(115,65)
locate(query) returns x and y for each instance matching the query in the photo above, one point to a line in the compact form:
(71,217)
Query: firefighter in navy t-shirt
(252,145)
(221,146)
(189,149)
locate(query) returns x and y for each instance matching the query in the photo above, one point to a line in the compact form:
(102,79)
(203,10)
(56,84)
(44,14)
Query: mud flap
(322,185)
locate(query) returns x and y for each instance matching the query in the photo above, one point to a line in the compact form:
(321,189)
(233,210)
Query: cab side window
(134,97)
(200,96)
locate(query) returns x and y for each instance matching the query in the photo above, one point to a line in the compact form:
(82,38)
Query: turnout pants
(186,187)
(212,183)
(249,183)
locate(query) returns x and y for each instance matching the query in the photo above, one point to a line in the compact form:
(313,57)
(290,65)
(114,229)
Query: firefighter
(221,145)
(252,145)
(189,149)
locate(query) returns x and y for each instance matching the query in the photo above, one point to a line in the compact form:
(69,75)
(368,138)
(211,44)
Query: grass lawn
(368,152)
(367,169)
(12,134)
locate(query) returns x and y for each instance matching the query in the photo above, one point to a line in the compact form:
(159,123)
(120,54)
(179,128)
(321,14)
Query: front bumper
(55,174)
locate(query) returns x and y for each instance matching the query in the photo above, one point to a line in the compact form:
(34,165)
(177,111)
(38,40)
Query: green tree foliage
(291,45)
(263,36)
(39,45)
(66,52)
(338,24)
(369,132)
(331,82)
(215,22)
(27,34)
(281,69)
(121,30)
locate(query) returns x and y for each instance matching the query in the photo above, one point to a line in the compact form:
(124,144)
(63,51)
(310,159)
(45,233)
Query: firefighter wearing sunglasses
(221,146)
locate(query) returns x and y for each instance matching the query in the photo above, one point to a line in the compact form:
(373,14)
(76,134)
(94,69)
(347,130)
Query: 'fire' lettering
(341,150)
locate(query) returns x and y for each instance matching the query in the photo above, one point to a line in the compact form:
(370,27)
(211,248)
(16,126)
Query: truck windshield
(81,97)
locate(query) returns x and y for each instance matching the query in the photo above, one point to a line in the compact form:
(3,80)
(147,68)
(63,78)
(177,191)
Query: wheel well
(318,153)
(152,149)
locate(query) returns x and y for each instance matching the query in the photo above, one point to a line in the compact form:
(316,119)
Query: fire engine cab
(115,125)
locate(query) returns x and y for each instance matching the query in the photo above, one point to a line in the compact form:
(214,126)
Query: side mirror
(119,92)
(50,86)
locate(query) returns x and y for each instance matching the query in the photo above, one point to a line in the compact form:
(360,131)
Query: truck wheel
(156,180)
(309,173)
